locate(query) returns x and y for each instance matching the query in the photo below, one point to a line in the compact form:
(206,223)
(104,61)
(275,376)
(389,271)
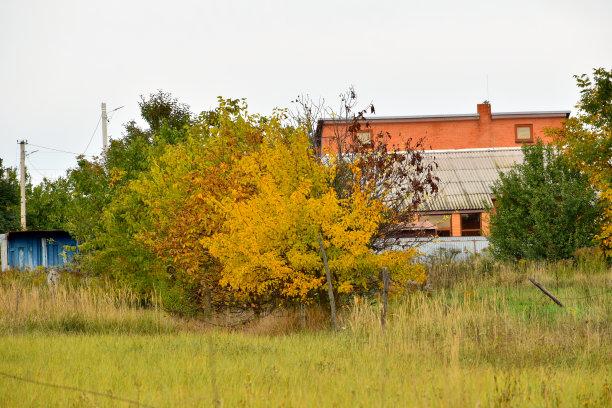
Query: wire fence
(605,292)
(70,388)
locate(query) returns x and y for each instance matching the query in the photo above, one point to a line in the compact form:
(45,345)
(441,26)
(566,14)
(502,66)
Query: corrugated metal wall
(30,249)
(446,247)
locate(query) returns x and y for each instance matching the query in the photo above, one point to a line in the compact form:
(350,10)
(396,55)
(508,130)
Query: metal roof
(465,116)
(28,231)
(533,113)
(466,177)
(452,116)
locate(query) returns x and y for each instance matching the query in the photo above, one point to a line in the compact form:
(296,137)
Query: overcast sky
(61,59)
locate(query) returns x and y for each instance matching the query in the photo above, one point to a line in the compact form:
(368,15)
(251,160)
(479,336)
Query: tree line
(560,198)
(226,208)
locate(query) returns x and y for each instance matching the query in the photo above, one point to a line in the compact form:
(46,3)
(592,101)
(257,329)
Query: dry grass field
(479,335)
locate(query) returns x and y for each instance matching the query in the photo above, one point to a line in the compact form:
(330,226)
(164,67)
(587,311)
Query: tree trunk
(330,291)
(383,313)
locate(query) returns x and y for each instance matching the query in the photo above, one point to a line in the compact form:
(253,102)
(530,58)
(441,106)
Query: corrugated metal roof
(466,177)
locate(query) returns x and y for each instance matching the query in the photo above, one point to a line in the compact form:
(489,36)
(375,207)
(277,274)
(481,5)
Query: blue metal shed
(30,249)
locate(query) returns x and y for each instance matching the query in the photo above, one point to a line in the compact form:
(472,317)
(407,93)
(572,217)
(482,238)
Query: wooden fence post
(330,291)
(303,314)
(547,293)
(383,313)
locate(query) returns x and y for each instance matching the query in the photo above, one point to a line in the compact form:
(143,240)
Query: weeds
(27,304)
(478,334)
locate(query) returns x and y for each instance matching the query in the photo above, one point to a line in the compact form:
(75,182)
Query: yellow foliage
(239,206)
(587,148)
(586,140)
(115,176)
(269,239)
(605,235)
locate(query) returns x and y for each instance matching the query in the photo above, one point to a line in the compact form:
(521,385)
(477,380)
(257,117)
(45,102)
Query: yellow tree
(236,209)
(586,139)
(268,243)
(184,188)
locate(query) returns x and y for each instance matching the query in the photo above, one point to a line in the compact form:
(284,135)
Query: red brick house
(470,150)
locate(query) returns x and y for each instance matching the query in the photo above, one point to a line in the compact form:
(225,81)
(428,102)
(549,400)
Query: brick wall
(481,130)
(455,225)
(485,220)
(458,132)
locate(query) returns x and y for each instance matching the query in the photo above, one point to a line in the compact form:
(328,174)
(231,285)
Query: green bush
(544,209)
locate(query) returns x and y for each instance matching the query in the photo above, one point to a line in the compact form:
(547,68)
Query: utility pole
(104,124)
(23,185)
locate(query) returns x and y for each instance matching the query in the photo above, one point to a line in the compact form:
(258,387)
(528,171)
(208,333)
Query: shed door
(21,258)
(18,257)
(53,255)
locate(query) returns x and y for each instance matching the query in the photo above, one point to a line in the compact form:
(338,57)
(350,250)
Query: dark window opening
(412,234)
(470,225)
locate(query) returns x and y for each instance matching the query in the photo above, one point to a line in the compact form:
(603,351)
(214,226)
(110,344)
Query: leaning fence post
(383,313)
(547,293)
(330,291)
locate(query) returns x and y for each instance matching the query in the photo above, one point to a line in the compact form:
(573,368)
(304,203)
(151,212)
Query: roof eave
(468,116)
(542,114)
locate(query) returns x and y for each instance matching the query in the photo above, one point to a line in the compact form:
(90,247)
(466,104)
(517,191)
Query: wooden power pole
(104,127)
(23,185)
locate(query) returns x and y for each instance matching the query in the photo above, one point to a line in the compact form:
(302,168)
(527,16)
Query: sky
(59,60)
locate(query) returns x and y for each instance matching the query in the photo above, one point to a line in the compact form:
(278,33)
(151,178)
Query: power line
(54,149)
(50,169)
(92,135)
(40,171)
(17,156)
(88,143)
(113,112)
(32,166)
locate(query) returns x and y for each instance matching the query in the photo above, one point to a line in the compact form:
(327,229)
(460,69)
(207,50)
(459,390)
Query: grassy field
(480,335)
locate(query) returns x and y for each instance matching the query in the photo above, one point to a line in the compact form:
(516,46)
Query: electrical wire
(17,156)
(92,135)
(54,149)
(88,143)
(32,166)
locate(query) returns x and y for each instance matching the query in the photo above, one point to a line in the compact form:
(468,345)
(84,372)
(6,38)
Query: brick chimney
(484,110)
(484,122)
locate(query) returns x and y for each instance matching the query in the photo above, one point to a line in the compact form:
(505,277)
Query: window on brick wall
(364,136)
(470,225)
(524,133)
(442,223)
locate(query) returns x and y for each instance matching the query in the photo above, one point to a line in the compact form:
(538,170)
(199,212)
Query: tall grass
(479,334)
(28,304)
